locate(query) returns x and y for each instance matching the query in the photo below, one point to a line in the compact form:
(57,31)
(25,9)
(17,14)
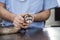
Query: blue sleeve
(3,1)
(48,4)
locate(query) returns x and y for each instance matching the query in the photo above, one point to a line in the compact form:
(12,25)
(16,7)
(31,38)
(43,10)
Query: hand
(19,22)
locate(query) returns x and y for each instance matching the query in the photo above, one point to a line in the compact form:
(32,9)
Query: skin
(18,20)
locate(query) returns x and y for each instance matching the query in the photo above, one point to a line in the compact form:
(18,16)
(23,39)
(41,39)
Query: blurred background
(54,19)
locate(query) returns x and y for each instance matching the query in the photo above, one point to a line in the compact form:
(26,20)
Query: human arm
(42,16)
(6,14)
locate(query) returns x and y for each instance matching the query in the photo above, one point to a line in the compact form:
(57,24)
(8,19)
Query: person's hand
(19,22)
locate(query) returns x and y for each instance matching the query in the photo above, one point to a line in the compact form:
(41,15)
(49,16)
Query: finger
(17,24)
(19,21)
(25,24)
(25,27)
(20,18)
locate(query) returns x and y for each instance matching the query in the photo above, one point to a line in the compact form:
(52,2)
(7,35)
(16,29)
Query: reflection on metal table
(52,33)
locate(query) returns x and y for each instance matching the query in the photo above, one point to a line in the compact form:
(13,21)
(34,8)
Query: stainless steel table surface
(51,33)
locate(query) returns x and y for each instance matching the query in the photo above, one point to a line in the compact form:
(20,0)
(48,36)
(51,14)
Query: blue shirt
(28,6)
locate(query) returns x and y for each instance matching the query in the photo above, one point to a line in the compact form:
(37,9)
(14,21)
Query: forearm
(42,16)
(6,15)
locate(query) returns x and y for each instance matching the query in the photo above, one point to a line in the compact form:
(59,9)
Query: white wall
(51,21)
(58,2)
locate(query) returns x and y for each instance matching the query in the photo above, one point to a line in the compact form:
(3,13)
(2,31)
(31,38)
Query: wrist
(34,17)
(13,17)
